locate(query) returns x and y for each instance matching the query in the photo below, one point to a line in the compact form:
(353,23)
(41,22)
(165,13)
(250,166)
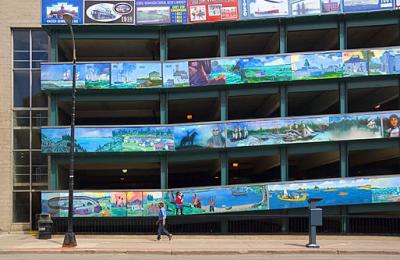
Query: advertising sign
(201,11)
(331,6)
(53,11)
(253,9)
(161,12)
(304,7)
(351,6)
(109,12)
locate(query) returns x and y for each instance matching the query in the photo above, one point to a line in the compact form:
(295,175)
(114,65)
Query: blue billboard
(53,11)
(352,6)
(161,12)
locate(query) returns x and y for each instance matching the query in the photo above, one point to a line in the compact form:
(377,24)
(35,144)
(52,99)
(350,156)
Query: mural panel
(382,62)
(331,6)
(136,75)
(352,6)
(385,190)
(213,10)
(150,202)
(199,136)
(176,74)
(304,7)
(317,66)
(355,63)
(134,203)
(161,12)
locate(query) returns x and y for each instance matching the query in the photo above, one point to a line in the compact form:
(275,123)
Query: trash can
(45,226)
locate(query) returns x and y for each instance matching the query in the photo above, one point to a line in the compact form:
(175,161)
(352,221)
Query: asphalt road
(191,257)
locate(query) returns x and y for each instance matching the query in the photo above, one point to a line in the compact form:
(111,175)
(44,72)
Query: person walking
(162,217)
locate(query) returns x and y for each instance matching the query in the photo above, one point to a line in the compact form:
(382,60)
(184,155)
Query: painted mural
(199,136)
(176,74)
(136,75)
(255,9)
(272,131)
(86,204)
(217,200)
(304,7)
(385,190)
(212,200)
(265,69)
(382,62)
(56,76)
(332,192)
(93,75)
(317,66)
(134,203)
(355,63)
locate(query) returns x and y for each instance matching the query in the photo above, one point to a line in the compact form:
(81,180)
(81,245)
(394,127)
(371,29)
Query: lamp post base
(69,240)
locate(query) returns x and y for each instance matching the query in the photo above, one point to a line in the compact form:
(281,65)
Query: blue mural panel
(355,63)
(317,66)
(136,75)
(254,9)
(199,136)
(384,61)
(176,74)
(161,12)
(352,6)
(385,190)
(53,11)
(332,192)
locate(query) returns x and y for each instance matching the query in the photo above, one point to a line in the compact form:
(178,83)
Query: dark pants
(162,230)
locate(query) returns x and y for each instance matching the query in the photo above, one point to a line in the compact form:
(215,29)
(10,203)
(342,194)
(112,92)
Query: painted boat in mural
(303,197)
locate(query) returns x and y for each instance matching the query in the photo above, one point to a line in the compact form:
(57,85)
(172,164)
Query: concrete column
(164,172)
(222,43)
(282,37)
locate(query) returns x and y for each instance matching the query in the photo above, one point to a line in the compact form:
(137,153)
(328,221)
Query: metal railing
(235,224)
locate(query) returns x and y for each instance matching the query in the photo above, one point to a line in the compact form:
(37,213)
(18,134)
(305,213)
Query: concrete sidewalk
(201,245)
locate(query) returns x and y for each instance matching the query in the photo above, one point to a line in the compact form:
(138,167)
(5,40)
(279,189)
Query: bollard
(314,220)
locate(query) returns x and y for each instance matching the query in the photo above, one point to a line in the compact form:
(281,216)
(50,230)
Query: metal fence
(235,224)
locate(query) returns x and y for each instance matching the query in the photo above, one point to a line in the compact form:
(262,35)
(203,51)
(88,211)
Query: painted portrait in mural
(391,125)
(200,74)
(199,136)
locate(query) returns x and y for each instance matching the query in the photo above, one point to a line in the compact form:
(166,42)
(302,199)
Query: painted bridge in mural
(225,199)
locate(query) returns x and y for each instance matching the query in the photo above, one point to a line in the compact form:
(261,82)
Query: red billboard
(201,11)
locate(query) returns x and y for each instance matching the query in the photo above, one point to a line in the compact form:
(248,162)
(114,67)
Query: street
(191,257)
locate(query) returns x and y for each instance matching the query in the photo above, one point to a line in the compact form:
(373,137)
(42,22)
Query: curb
(194,252)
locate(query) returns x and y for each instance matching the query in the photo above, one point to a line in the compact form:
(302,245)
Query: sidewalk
(201,245)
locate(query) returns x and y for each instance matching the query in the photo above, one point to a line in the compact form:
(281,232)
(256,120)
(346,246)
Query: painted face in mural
(394,121)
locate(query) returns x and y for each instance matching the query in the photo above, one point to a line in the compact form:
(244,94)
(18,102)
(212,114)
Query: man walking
(162,217)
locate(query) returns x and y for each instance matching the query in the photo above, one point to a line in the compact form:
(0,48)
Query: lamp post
(69,238)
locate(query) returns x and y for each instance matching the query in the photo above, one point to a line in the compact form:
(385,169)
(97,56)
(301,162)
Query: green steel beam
(111,35)
(282,37)
(342,35)
(344,161)
(250,152)
(163,46)
(376,208)
(373,144)
(186,33)
(54,47)
(193,94)
(312,148)
(344,219)
(307,26)
(53,110)
(163,108)
(223,105)
(108,97)
(245,29)
(116,158)
(253,91)
(343,97)
(193,156)
(164,172)
(387,81)
(224,169)
(311,87)
(284,163)
(53,173)
(284,101)
(391,19)
(223,46)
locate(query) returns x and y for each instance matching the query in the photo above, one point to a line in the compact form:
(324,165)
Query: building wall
(13,14)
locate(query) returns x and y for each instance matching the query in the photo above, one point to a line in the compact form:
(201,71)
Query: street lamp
(69,238)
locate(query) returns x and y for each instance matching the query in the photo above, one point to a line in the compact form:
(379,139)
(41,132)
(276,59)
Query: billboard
(213,10)
(352,6)
(253,9)
(53,11)
(161,12)
(304,7)
(331,6)
(109,12)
